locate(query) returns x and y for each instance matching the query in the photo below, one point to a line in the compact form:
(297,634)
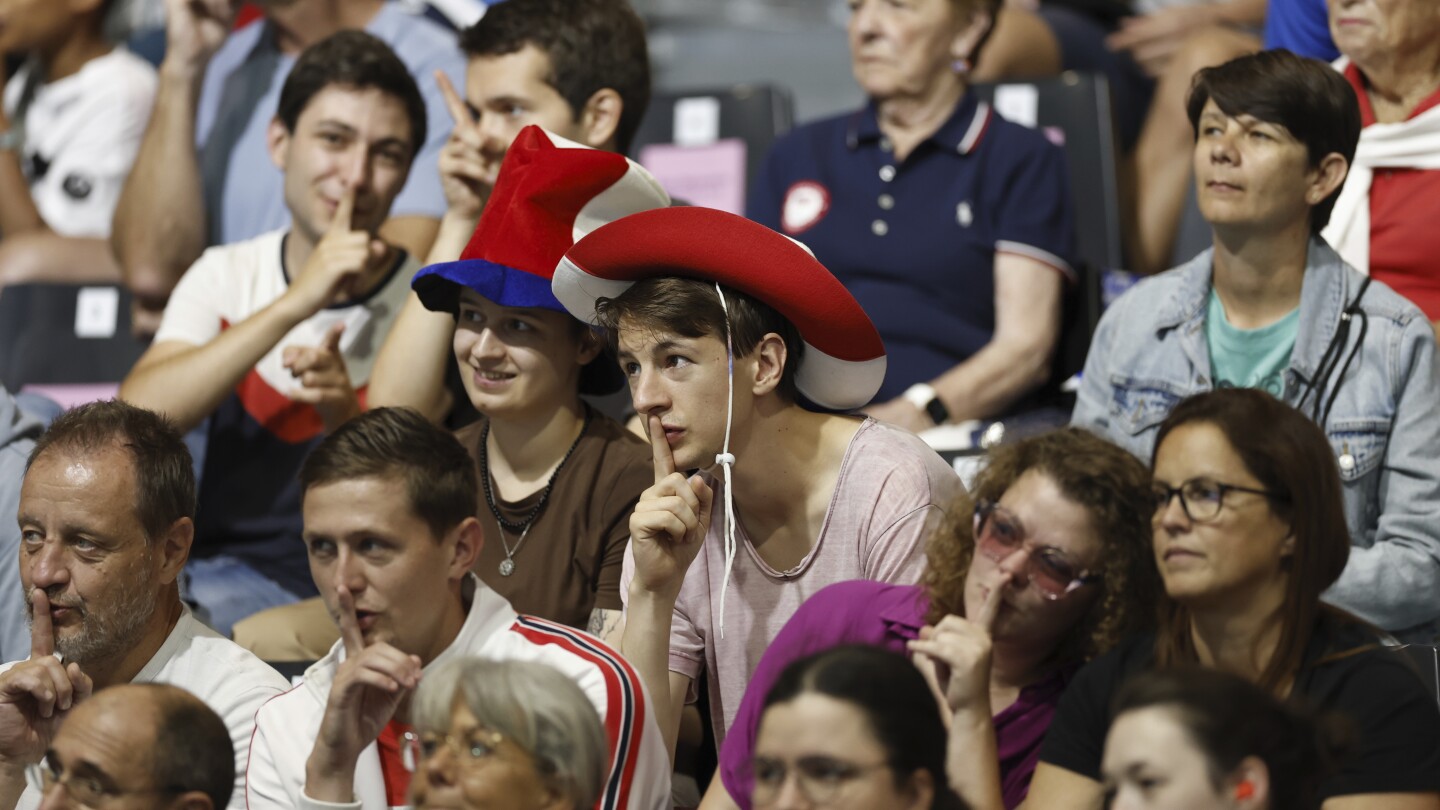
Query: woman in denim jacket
(1272,306)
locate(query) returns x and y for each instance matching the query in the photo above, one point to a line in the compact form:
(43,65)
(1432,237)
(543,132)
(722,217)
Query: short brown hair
(163,471)
(1112,485)
(1291,457)
(691,308)
(1310,99)
(439,473)
(591,45)
(356,60)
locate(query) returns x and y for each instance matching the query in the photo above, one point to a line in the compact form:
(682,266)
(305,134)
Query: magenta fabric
(886,616)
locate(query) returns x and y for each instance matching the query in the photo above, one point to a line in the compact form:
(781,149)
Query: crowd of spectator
(394,268)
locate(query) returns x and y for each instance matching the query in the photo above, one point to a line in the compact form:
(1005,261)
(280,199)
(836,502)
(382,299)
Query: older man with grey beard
(106,524)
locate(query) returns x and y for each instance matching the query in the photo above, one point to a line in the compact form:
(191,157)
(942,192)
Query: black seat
(46,338)
(1077,106)
(754,113)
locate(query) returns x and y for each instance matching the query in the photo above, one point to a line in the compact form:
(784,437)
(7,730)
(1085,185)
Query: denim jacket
(1150,351)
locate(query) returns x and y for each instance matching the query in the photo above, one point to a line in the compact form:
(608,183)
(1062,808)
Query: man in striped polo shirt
(390,528)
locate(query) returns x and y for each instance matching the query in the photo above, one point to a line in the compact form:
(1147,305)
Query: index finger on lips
(459,113)
(344,209)
(990,608)
(42,630)
(349,625)
(660,448)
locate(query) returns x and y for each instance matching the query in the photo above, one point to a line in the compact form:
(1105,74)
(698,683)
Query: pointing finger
(660,447)
(332,337)
(343,211)
(349,625)
(42,631)
(459,113)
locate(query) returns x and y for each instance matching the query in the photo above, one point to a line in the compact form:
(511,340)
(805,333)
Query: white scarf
(1412,144)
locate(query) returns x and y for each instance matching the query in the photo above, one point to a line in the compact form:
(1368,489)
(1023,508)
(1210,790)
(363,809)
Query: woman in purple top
(1062,525)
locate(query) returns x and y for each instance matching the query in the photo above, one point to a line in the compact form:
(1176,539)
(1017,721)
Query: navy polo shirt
(915,241)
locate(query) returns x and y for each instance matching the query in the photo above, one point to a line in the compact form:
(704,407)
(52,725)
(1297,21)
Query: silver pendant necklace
(507,565)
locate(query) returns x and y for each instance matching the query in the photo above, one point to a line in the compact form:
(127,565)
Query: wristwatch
(923,396)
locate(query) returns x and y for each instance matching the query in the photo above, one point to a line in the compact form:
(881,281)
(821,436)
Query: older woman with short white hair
(1383,221)
(507,735)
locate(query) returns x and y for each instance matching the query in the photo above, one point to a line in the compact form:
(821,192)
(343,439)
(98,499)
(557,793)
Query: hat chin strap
(726,459)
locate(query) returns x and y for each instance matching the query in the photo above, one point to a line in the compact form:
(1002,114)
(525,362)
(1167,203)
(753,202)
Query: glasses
(820,779)
(1201,498)
(998,534)
(477,745)
(89,792)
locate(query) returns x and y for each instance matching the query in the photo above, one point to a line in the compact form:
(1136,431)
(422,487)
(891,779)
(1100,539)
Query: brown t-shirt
(570,562)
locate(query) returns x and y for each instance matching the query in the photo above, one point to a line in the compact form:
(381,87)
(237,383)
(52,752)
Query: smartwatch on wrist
(923,396)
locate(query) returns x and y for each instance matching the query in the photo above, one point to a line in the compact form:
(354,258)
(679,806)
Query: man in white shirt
(271,339)
(389,506)
(106,525)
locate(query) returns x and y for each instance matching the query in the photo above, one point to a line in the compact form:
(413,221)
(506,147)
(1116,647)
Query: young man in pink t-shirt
(733,338)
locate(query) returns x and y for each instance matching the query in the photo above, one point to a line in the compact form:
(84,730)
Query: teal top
(1249,358)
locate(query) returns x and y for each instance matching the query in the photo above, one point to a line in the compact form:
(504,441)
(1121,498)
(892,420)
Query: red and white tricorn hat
(844,359)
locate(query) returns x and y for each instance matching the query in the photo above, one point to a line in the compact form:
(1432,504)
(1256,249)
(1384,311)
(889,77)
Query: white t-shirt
(228,677)
(81,136)
(891,493)
(258,438)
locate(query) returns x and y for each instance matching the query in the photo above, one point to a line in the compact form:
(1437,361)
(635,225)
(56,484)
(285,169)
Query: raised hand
(337,265)
(669,522)
(368,687)
(955,655)
(37,694)
(467,174)
(324,382)
(195,29)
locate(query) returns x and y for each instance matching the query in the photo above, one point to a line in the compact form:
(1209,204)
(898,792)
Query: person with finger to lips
(106,519)
(392,532)
(738,345)
(1042,566)
(272,339)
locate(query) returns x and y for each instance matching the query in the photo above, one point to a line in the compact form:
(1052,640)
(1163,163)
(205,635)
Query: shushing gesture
(324,381)
(369,686)
(955,654)
(37,694)
(337,267)
(467,173)
(669,522)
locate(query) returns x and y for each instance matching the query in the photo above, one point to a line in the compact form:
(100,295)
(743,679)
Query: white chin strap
(726,460)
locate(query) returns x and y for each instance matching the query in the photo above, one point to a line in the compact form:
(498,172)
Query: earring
(1245,790)
(960,67)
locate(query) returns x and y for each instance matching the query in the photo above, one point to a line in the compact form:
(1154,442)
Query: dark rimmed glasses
(819,778)
(999,533)
(1202,498)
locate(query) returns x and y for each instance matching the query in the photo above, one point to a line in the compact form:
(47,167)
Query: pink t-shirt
(891,492)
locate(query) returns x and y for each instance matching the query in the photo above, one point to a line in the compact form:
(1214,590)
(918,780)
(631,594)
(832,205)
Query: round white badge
(805,204)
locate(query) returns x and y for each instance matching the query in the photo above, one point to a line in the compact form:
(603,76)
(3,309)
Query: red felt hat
(844,359)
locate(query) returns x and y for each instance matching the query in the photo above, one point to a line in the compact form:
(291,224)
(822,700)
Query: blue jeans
(223,590)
